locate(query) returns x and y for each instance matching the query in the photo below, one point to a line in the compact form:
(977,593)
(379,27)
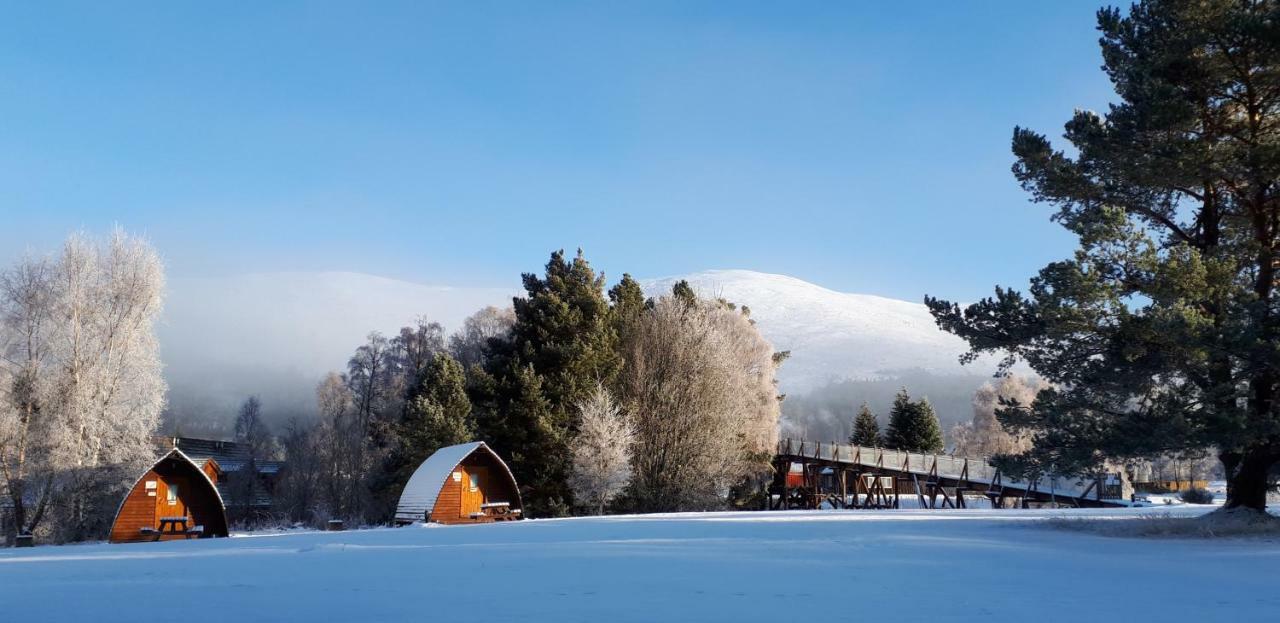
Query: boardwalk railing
(974,470)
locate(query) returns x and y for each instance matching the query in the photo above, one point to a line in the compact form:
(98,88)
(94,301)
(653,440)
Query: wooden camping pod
(466,483)
(175,499)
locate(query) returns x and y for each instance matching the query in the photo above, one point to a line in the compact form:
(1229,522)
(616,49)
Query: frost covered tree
(30,431)
(414,347)
(470,343)
(601,451)
(913,425)
(984,435)
(866,430)
(1160,333)
(699,386)
(81,377)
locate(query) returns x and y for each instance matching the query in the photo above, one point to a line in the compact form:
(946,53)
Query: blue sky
(863,146)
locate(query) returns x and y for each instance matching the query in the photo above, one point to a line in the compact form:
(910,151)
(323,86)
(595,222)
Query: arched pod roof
(420,493)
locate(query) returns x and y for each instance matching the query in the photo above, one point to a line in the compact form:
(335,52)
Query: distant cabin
(466,483)
(231,460)
(175,499)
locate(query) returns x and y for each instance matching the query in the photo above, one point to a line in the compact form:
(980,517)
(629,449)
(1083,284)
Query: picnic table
(174,525)
(499,511)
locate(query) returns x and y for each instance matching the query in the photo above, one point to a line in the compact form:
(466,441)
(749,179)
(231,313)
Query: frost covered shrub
(1196,496)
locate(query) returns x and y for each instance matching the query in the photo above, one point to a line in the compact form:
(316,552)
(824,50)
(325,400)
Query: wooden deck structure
(812,474)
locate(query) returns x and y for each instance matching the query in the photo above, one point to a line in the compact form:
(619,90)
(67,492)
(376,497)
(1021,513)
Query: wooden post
(785,502)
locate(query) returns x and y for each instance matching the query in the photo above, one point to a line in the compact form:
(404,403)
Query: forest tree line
(597,399)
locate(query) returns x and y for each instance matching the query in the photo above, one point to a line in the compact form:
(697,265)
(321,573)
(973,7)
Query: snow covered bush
(601,451)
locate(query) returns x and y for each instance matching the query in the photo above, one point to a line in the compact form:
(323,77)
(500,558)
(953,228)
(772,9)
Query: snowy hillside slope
(832,335)
(276,334)
(946,565)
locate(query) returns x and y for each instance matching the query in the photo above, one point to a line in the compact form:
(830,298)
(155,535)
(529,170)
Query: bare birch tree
(342,446)
(601,451)
(468,344)
(984,435)
(85,377)
(699,385)
(29,428)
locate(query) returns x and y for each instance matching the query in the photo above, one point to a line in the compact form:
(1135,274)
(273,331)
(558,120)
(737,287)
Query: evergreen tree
(1160,334)
(899,421)
(563,330)
(563,343)
(913,426)
(627,304)
(866,430)
(684,293)
(437,413)
(929,428)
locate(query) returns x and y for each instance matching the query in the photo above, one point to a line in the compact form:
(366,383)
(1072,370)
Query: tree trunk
(1247,479)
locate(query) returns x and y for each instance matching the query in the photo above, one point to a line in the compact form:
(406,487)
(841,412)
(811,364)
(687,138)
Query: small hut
(175,499)
(466,483)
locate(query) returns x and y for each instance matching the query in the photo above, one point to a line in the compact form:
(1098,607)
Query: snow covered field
(971,565)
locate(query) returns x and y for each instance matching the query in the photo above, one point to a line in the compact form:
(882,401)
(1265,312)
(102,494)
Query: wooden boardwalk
(812,474)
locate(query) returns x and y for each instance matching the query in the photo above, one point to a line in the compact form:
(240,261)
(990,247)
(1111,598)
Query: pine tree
(866,430)
(684,293)
(928,427)
(1159,335)
(563,330)
(627,303)
(563,343)
(899,421)
(913,426)
(437,413)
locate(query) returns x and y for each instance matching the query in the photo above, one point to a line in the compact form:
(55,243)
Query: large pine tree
(437,411)
(913,425)
(1162,332)
(563,343)
(866,430)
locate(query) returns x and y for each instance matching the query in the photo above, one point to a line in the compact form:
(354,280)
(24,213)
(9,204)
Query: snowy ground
(909,565)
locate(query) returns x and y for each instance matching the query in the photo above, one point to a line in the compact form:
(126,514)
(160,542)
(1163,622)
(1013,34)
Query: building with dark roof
(229,459)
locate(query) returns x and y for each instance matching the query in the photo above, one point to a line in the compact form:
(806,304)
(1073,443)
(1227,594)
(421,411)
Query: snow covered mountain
(276,334)
(833,336)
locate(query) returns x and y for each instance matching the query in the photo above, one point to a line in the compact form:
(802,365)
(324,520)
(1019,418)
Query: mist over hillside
(276,334)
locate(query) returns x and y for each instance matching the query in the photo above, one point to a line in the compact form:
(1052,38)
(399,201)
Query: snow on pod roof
(419,495)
